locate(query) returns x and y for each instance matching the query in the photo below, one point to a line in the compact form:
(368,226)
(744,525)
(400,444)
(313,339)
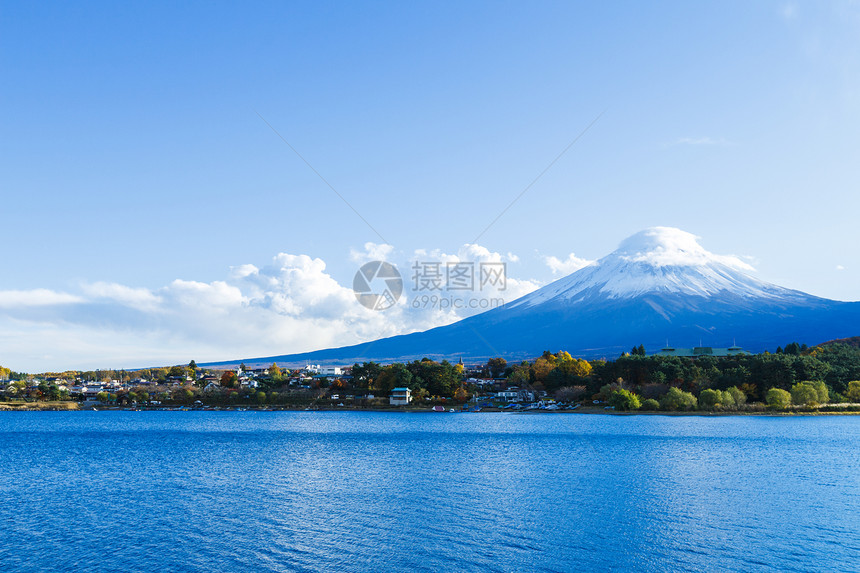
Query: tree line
(792,375)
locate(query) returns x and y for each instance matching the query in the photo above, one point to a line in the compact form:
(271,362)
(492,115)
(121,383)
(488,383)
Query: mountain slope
(660,285)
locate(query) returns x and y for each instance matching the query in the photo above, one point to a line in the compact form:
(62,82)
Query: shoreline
(587,410)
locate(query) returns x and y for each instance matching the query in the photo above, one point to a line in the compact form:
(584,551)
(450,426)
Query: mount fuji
(660,285)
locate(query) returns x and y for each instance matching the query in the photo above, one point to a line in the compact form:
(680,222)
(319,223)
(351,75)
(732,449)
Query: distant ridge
(851,341)
(660,284)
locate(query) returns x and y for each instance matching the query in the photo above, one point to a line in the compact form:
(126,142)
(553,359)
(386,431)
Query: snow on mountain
(660,284)
(659,260)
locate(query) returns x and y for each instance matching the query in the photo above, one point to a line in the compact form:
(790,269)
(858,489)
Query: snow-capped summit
(658,260)
(660,284)
(669,246)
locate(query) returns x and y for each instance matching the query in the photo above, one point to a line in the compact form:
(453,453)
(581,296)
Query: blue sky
(132,154)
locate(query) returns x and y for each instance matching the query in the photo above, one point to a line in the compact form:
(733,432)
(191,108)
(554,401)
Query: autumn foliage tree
(275,371)
(229,379)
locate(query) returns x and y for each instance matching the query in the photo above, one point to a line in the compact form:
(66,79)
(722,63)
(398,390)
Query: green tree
(804,394)
(853,393)
(260,397)
(102,397)
(177,371)
(778,399)
(677,399)
(822,391)
(727,401)
(658,377)
(792,349)
(622,399)
(496,367)
(638,350)
(53,392)
(650,404)
(710,399)
(738,396)
(439,378)
(393,376)
(183,396)
(364,376)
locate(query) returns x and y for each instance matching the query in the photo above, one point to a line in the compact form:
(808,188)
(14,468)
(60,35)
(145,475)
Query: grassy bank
(12,406)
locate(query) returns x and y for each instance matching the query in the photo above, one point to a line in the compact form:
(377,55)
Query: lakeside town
(824,378)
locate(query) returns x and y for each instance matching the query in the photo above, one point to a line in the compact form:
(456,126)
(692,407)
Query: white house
(324,370)
(90,392)
(508,396)
(400,396)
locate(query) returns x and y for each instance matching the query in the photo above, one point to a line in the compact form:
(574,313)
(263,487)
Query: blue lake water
(365,491)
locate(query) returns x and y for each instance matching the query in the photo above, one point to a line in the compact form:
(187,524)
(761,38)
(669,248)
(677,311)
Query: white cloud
(482,260)
(751,259)
(139,298)
(291,305)
(216,295)
(840,268)
(567,266)
(372,252)
(35,298)
(668,246)
(242,271)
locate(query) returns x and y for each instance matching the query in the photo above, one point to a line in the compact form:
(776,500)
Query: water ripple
(308,491)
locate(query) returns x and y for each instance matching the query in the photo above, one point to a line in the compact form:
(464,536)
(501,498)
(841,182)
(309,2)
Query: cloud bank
(291,305)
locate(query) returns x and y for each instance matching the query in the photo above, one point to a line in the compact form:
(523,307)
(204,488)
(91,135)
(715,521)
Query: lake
(367,491)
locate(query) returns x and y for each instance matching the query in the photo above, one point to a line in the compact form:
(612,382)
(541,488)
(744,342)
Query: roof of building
(697,351)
